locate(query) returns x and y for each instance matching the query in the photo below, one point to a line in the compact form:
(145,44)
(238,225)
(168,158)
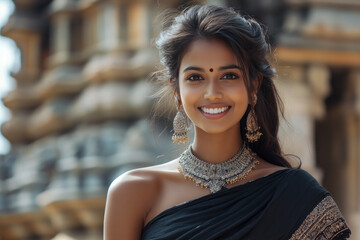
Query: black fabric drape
(271,207)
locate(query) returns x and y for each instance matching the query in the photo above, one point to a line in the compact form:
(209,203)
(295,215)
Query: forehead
(211,53)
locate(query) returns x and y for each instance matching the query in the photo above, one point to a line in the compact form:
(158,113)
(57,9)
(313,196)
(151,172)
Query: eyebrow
(220,68)
(230,67)
(194,68)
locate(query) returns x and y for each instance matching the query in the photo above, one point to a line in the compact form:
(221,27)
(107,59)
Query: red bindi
(211,70)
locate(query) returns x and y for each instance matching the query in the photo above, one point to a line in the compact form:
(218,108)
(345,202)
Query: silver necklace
(216,176)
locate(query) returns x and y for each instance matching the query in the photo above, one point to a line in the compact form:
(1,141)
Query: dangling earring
(253,129)
(181,126)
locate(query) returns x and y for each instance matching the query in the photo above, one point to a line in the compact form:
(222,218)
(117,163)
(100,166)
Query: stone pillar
(351,176)
(138,28)
(302,91)
(318,78)
(326,32)
(60,45)
(109,15)
(338,141)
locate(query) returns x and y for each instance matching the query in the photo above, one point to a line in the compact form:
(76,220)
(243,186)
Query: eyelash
(233,76)
(194,75)
(198,77)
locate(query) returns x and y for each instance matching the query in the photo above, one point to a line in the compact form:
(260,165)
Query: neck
(216,148)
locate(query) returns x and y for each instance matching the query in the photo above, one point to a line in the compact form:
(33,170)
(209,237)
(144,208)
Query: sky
(9,62)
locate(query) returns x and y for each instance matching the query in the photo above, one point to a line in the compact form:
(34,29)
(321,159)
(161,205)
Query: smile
(214,110)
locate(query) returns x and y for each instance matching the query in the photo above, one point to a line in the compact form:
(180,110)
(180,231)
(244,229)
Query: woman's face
(212,88)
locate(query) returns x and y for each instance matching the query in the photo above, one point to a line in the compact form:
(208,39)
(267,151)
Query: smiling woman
(232,182)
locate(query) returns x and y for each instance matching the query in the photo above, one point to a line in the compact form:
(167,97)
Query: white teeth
(214,110)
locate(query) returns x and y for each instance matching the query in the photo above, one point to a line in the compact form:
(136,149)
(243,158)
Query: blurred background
(75,103)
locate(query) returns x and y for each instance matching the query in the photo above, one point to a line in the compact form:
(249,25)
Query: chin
(218,129)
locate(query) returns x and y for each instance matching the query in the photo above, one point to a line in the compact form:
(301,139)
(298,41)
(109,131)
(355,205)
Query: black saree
(288,204)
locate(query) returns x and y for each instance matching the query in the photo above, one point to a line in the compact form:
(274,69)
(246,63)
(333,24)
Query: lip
(214,115)
(215,105)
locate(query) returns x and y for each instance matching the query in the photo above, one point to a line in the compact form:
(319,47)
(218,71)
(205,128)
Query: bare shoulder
(133,181)
(265,168)
(143,182)
(140,181)
(129,199)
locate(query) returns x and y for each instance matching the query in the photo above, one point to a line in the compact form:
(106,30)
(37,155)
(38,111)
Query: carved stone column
(302,90)
(61,38)
(338,141)
(354,167)
(109,35)
(322,36)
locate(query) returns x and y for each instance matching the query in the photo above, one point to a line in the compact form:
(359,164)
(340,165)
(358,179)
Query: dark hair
(246,38)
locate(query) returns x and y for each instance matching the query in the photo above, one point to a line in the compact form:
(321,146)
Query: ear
(176,91)
(177,98)
(257,82)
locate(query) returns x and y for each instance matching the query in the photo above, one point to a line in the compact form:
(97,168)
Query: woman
(232,182)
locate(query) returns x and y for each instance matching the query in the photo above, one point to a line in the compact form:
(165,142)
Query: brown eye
(194,77)
(229,76)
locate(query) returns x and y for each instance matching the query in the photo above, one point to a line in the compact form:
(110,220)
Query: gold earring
(252,127)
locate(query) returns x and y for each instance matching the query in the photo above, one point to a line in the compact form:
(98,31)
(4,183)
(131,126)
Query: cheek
(245,100)
(188,96)
(243,93)
(245,97)
(189,99)
(181,90)
(241,100)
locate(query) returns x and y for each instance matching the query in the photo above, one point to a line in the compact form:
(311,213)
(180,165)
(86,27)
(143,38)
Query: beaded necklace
(216,176)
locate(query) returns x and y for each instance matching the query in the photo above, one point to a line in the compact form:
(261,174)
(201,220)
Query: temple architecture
(79,112)
(318,57)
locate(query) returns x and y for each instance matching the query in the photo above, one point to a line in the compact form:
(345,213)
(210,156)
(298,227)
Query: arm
(129,199)
(324,222)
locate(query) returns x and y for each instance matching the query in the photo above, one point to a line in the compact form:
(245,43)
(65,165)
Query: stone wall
(318,56)
(79,113)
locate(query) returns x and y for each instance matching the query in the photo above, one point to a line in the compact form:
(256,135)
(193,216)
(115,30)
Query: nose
(213,91)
